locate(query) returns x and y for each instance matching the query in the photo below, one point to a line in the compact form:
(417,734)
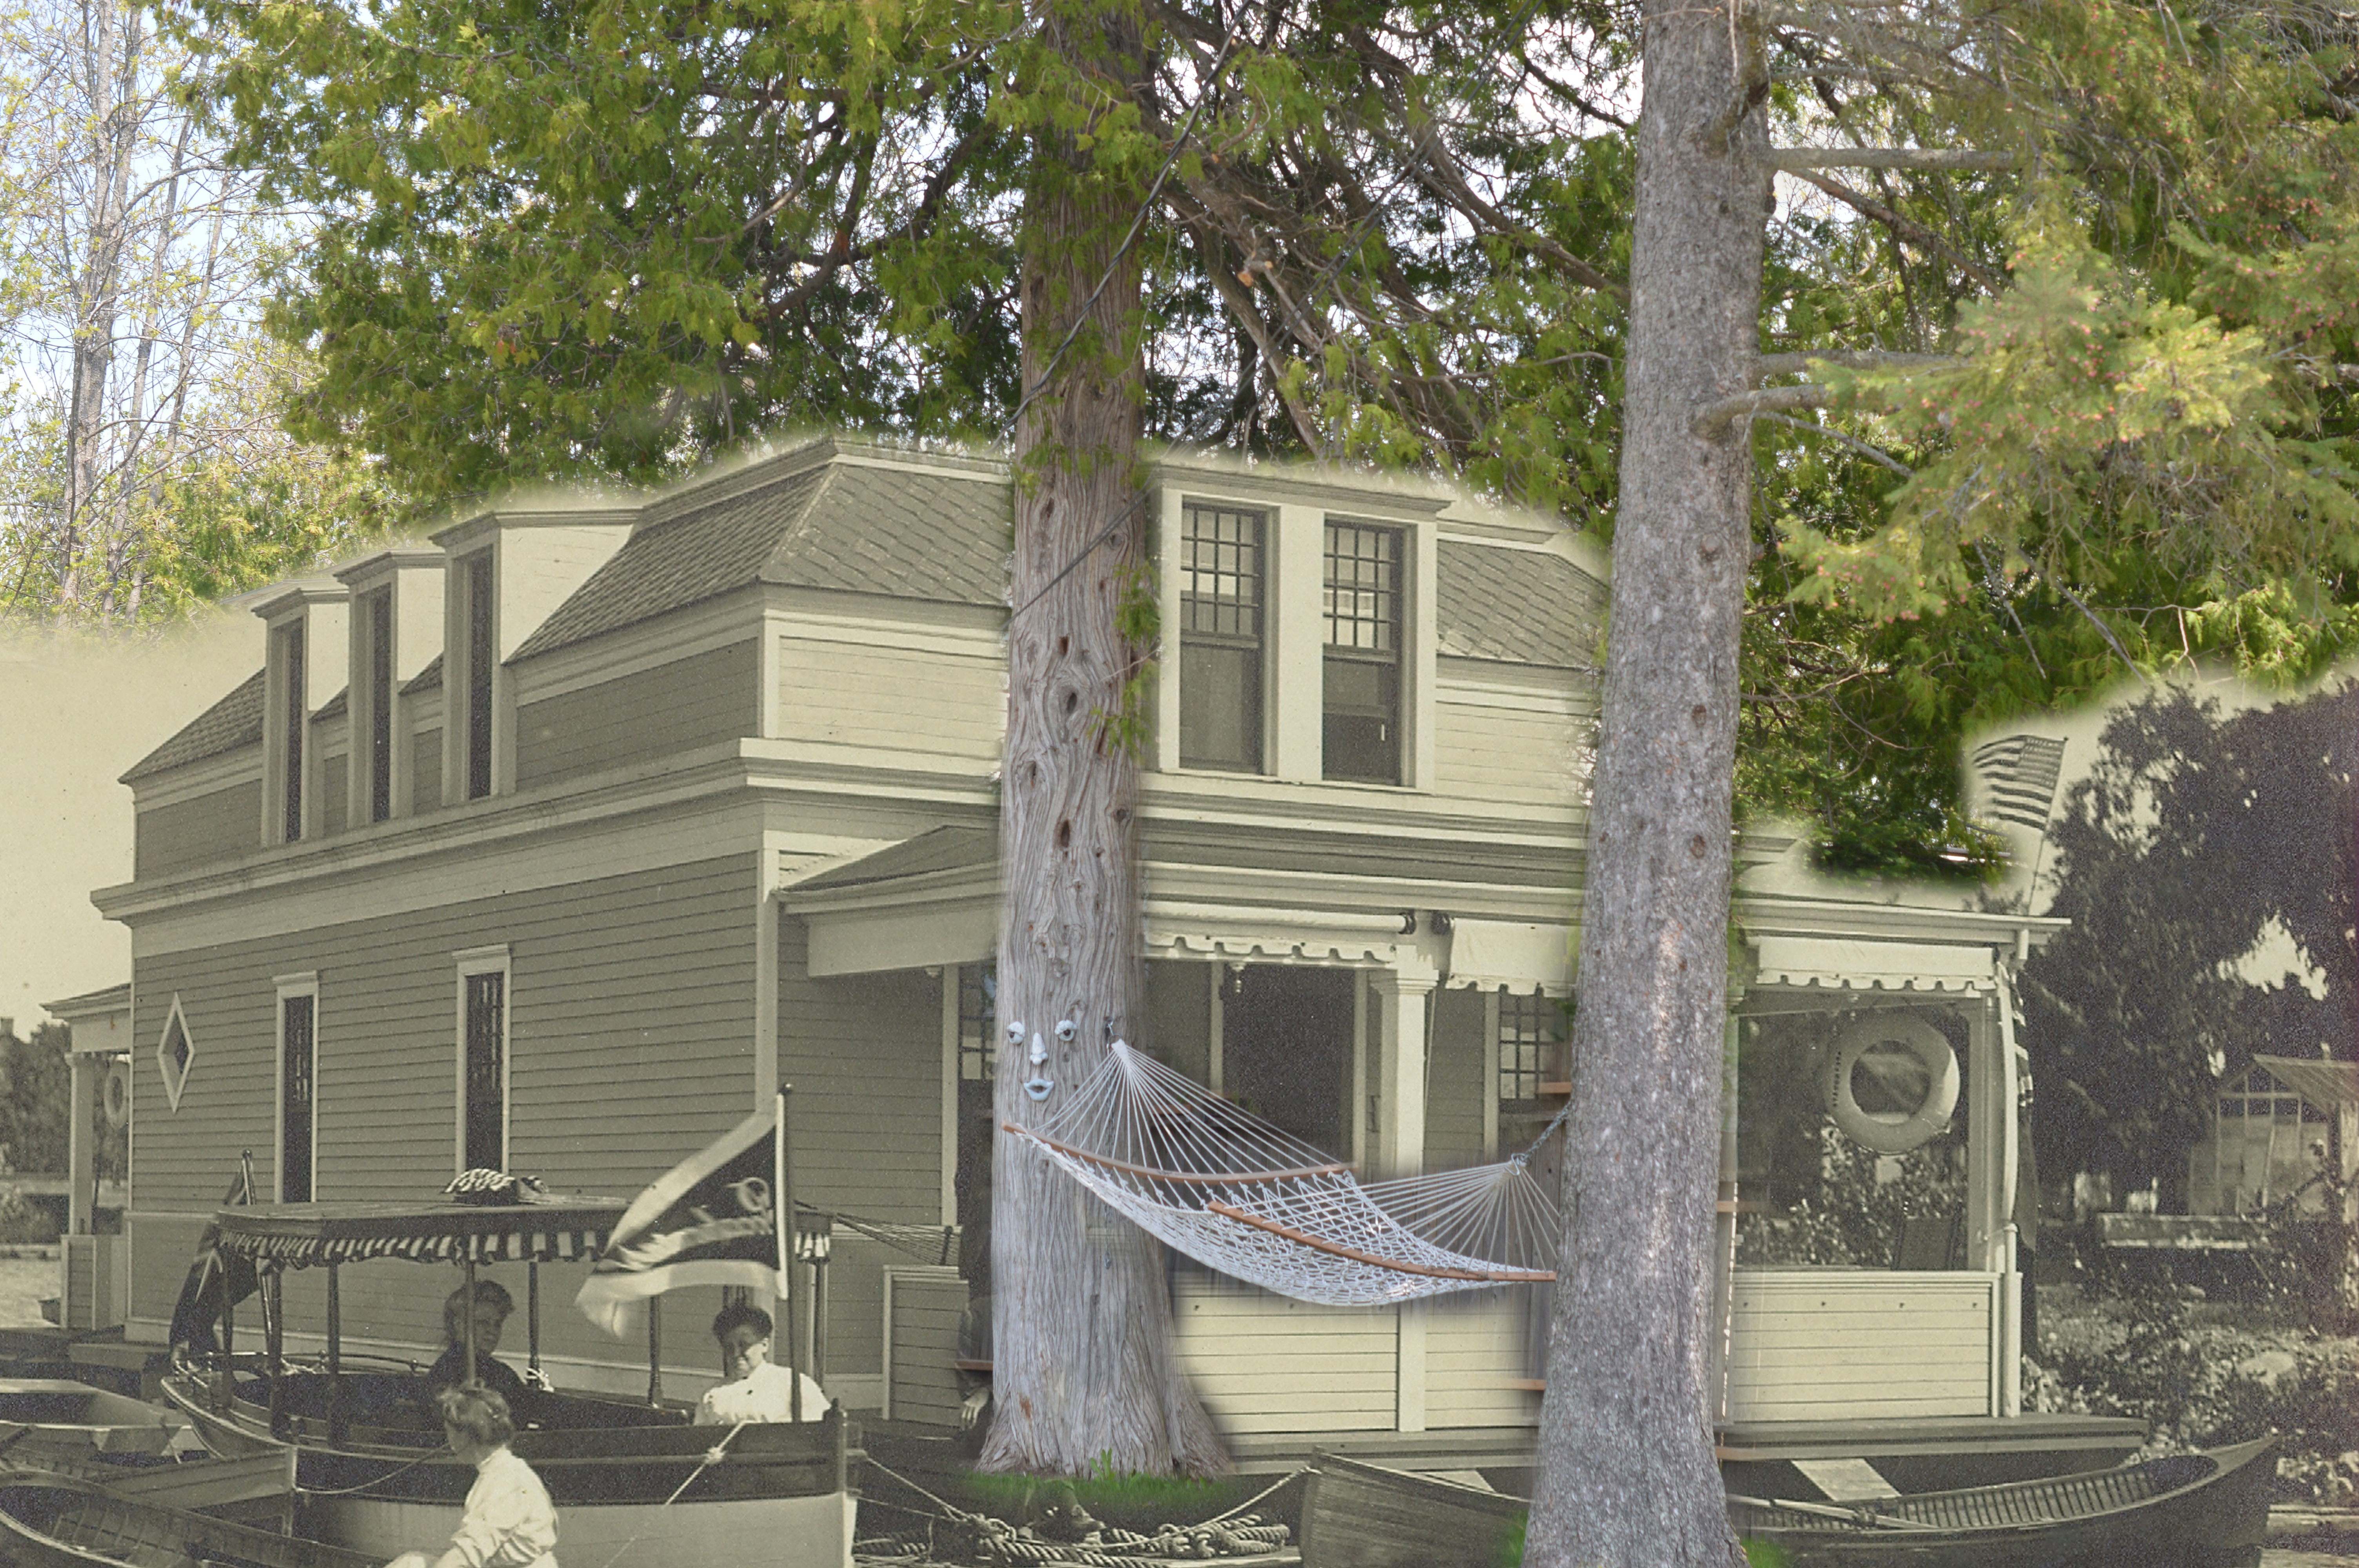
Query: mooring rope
(713,1456)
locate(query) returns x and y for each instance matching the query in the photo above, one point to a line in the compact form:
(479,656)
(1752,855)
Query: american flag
(2019,773)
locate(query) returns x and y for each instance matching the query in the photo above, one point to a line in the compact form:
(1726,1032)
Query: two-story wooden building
(555,844)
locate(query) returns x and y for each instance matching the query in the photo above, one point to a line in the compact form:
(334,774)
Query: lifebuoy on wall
(115,1094)
(1893,1132)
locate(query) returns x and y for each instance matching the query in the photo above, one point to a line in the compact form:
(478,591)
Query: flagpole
(783,1184)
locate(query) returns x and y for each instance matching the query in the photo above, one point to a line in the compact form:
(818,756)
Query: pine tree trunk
(1084,1374)
(1626,1470)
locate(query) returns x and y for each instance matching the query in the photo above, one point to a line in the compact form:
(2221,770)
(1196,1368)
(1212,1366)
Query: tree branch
(1713,417)
(1903,228)
(1854,359)
(1794,160)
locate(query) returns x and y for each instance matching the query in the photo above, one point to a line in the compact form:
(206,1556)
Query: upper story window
(484,1059)
(299,1107)
(1361,712)
(374,749)
(1221,600)
(294,718)
(978,1046)
(476,678)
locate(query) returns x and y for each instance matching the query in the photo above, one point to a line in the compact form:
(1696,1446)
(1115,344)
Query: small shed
(2276,1129)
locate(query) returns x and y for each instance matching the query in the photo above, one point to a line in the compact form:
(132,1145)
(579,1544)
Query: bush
(1854,1220)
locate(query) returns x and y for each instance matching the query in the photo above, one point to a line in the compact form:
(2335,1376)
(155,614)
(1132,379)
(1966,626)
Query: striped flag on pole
(716,1218)
(2019,773)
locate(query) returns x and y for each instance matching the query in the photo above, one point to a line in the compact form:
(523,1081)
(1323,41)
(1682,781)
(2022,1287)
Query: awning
(300,1234)
(1520,955)
(1829,963)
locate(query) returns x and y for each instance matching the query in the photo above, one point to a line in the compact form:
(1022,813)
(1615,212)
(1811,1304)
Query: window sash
(480,651)
(1222,602)
(380,705)
(298,1095)
(295,717)
(483,1112)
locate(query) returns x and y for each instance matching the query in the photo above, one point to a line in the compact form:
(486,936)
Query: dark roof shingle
(1525,607)
(232,722)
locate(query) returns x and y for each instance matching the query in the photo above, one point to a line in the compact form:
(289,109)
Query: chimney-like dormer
(509,569)
(306,643)
(396,630)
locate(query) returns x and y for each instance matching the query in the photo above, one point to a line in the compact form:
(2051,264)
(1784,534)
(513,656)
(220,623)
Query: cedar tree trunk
(1626,1473)
(1084,1374)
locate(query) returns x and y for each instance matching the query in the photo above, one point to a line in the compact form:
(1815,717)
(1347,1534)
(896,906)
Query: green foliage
(1854,1219)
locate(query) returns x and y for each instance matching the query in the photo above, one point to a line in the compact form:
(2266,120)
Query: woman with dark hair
(509,1521)
(756,1388)
(491,1308)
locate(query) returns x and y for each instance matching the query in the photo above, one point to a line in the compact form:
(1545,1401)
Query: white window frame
(469,964)
(307,985)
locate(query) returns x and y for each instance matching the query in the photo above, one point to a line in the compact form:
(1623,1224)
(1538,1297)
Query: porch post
(1724,1251)
(1400,998)
(82,1164)
(1988,1109)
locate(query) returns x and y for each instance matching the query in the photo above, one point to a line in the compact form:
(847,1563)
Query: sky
(76,712)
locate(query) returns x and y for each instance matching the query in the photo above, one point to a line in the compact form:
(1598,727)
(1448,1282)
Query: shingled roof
(1526,607)
(852,528)
(234,721)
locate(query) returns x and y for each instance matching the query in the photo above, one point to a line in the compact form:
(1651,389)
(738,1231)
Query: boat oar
(1855,1516)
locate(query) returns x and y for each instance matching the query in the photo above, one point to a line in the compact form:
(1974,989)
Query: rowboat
(70,1521)
(2186,1510)
(630,1481)
(43,1421)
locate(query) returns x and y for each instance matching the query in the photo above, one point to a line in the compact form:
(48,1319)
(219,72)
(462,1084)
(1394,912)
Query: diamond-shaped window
(174,1054)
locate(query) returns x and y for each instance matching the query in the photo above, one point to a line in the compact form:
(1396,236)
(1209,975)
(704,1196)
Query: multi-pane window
(1222,599)
(1362,584)
(481,655)
(377,629)
(484,1071)
(294,717)
(978,1047)
(1530,1028)
(297,1099)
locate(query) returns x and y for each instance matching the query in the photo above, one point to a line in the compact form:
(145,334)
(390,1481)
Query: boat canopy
(302,1235)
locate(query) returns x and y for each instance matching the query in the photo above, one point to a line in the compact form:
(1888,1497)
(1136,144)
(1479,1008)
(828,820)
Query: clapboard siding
(1263,1363)
(1473,1349)
(865,1056)
(426,770)
(926,1304)
(1454,1085)
(699,700)
(336,777)
(1490,753)
(631,991)
(949,705)
(220,826)
(1821,1345)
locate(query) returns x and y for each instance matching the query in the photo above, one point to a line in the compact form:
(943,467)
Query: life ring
(115,1098)
(1893,1132)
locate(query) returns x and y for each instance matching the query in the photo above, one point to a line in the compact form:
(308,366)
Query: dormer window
(294,719)
(1221,609)
(1361,726)
(481,659)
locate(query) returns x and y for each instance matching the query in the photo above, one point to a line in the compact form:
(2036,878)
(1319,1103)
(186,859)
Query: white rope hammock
(1255,1203)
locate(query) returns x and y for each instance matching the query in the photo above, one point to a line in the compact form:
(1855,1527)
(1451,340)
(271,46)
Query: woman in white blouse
(756,1388)
(509,1521)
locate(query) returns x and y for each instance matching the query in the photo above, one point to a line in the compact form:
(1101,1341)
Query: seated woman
(757,1390)
(509,1521)
(491,1310)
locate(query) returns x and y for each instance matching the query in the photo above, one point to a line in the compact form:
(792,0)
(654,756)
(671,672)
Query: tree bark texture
(1626,1470)
(1083,1373)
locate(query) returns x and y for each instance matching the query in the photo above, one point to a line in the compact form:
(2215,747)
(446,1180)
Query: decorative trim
(176,1053)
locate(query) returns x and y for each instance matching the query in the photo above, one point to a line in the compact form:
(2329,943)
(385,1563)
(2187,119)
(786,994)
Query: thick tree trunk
(1084,1374)
(1626,1472)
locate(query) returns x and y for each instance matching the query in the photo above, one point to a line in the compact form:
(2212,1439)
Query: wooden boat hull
(46,1419)
(2185,1511)
(69,1521)
(646,1484)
